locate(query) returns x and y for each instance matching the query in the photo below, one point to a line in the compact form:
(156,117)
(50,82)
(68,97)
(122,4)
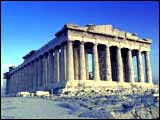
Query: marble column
(25,78)
(36,75)
(43,71)
(62,67)
(82,62)
(76,63)
(65,53)
(148,67)
(108,65)
(32,75)
(20,80)
(130,66)
(50,67)
(46,70)
(40,72)
(95,63)
(140,67)
(57,65)
(86,61)
(55,68)
(70,67)
(119,65)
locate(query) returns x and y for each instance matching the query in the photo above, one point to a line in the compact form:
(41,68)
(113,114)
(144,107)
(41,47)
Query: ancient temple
(63,61)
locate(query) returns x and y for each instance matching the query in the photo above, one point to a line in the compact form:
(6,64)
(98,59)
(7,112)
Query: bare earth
(33,108)
(82,105)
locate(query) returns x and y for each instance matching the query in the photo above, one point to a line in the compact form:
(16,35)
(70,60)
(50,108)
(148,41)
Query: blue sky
(29,25)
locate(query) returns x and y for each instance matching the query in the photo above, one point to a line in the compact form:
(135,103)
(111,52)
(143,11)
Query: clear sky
(29,25)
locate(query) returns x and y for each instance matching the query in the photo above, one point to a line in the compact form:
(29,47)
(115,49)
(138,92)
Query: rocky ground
(86,104)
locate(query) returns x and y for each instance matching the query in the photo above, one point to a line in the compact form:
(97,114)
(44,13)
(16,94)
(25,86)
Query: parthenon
(63,61)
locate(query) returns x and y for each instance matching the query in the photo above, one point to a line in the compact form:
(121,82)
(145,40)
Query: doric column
(62,66)
(55,68)
(17,80)
(46,70)
(75,63)
(82,62)
(25,78)
(140,67)
(43,70)
(65,53)
(32,75)
(119,65)
(57,65)
(130,67)
(70,67)
(36,74)
(95,63)
(148,67)
(50,67)
(108,65)
(86,61)
(29,76)
(39,72)
(21,85)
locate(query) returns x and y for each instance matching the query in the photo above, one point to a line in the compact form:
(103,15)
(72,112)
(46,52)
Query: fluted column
(148,67)
(108,65)
(95,63)
(25,78)
(40,75)
(140,67)
(75,63)
(86,61)
(43,71)
(17,80)
(55,68)
(130,67)
(57,65)
(21,85)
(32,75)
(82,62)
(62,66)
(50,67)
(70,67)
(36,74)
(119,65)
(46,70)
(65,57)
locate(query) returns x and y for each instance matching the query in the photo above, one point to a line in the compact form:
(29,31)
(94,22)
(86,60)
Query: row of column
(120,75)
(56,67)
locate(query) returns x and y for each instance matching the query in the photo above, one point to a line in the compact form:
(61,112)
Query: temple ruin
(63,61)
